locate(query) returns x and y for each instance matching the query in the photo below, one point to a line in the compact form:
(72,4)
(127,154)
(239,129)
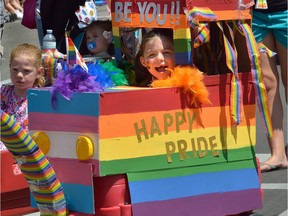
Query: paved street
(273,183)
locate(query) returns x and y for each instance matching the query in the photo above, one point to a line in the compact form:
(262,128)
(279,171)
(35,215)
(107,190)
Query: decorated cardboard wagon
(177,158)
(149,151)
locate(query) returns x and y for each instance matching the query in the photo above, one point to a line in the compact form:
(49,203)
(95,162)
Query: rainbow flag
(73,55)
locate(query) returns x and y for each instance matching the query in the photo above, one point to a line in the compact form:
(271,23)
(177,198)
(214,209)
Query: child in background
(99,39)
(26,72)
(155,58)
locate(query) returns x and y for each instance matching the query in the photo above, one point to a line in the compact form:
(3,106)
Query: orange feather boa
(190,79)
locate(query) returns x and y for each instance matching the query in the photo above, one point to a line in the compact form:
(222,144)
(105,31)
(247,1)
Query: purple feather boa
(70,80)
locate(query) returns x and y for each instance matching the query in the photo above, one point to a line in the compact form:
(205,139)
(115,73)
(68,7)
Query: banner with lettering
(152,14)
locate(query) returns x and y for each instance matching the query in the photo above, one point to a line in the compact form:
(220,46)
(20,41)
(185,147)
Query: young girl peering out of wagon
(155,66)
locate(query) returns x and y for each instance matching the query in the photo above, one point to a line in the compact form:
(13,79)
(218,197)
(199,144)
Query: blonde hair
(31,51)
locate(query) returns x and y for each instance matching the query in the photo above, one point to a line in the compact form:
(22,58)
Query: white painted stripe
(285,213)
(5,81)
(63,144)
(274,186)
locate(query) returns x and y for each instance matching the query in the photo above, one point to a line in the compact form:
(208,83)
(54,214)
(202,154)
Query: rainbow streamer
(263,48)
(203,35)
(261,4)
(231,62)
(73,55)
(194,16)
(198,12)
(260,89)
(35,167)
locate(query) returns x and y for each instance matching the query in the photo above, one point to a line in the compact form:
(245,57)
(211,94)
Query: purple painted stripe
(63,122)
(217,204)
(73,171)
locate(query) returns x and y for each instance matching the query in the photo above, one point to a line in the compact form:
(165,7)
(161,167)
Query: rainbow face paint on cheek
(91,45)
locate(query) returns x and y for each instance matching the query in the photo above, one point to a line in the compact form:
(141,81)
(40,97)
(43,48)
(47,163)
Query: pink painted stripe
(211,204)
(73,171)
(63,122)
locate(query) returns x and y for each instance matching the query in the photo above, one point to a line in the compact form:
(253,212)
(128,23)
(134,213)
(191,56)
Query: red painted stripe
(215,4)
(135,9)
(73,171)
(63,122)
(161,99)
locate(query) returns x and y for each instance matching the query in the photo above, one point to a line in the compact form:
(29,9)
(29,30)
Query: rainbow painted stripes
(35,167)
(166,147)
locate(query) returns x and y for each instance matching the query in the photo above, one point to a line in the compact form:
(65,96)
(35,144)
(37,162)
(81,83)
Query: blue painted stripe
(183,58)
(40,101)
(79,198)
(193,185)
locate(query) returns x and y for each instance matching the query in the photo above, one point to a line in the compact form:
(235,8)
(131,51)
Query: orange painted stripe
(123,124)
(233,14)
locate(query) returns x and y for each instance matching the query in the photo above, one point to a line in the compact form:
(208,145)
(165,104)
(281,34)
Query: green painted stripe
(159,162)
(182,45)
(160,174)
(116,41)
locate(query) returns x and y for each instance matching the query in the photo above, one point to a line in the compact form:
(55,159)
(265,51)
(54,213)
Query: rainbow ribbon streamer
(203,31)
(263,48)
(231,62)
(203,35)
(73,55)
(261,4)
(41,178)
(260,89)
(196,13)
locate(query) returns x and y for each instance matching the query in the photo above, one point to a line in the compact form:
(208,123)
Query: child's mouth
(161,69)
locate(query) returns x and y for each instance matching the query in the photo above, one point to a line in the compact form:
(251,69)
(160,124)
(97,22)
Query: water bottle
(49,41)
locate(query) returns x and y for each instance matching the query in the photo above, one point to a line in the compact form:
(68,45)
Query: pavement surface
(274,183)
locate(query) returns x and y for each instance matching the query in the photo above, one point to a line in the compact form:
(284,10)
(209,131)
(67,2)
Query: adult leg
(17,5)
(271,80)
(282,53)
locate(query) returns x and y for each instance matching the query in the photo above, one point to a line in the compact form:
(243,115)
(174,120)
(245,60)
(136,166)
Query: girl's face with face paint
(158,57)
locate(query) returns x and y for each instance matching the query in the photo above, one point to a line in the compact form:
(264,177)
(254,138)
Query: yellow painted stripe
(116,31)
(183,33)
(128,147)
